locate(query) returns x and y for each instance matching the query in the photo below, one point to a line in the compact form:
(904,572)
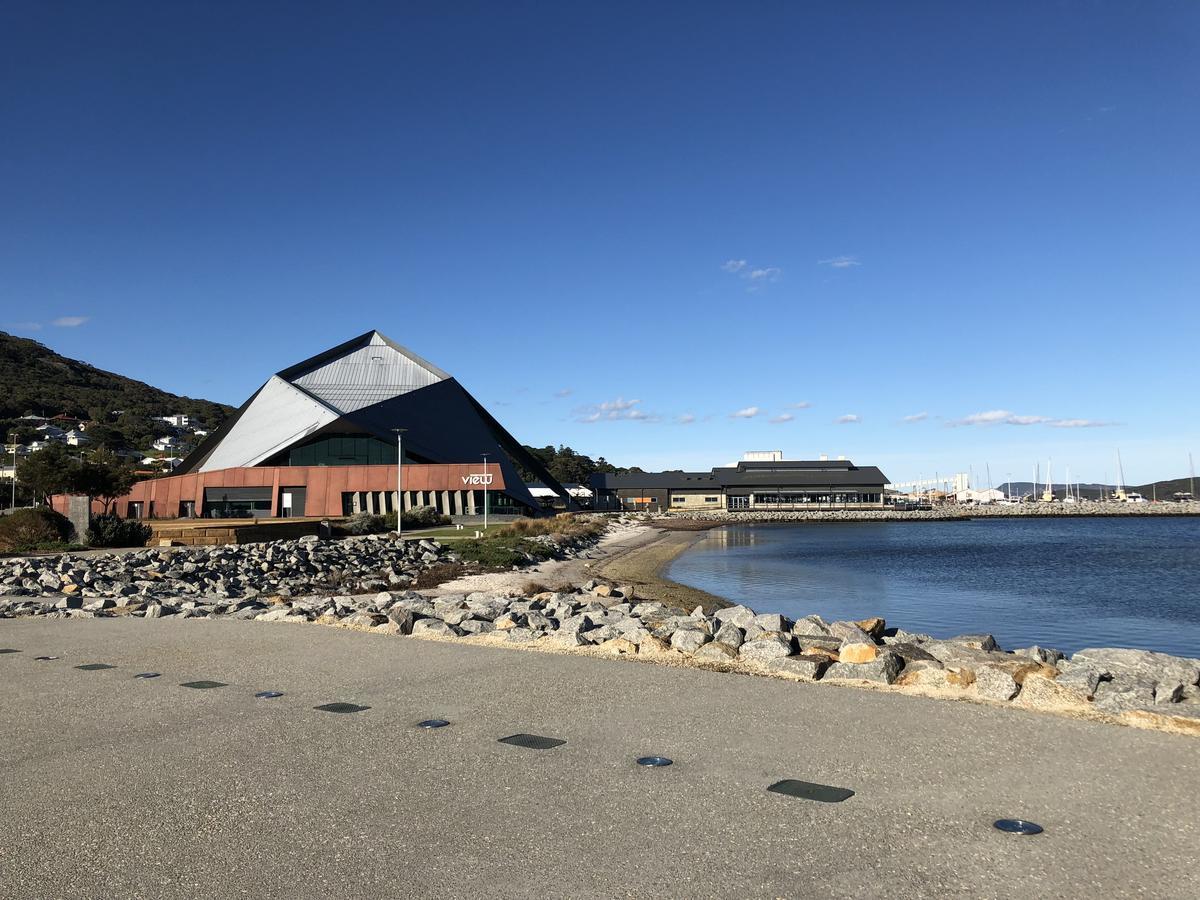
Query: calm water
(1065,583)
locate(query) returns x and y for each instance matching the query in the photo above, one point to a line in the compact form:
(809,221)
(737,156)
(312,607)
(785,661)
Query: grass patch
(514,544)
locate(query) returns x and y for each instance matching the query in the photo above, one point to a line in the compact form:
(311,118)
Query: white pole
(399,483)
(485,492)
(14,484)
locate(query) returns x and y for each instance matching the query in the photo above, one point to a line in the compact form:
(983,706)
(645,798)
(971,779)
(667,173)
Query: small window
(711,499)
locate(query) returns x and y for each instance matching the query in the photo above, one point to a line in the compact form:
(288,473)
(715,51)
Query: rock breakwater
(1130,686)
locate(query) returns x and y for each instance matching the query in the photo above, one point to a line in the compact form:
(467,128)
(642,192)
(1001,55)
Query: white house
(981,495)
(76,438)
(177,421)
(163,444)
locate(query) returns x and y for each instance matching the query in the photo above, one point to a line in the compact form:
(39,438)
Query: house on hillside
(76,438)
(176,421)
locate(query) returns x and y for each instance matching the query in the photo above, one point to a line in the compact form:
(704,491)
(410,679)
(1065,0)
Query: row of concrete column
(450,503)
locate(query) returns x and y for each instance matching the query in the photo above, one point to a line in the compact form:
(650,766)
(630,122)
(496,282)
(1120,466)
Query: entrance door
(736,502)
(285,505)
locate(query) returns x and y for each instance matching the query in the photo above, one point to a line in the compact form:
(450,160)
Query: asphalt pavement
(118,786)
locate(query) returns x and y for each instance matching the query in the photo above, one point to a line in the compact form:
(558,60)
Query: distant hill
(1163,490)
(34,379)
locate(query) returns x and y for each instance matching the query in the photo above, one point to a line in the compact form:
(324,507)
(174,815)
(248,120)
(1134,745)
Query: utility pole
(400,482)
(485,492)
(14,484)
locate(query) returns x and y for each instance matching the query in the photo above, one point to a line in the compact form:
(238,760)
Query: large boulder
(765,648)
(884,669)
(741,616)
(806,667)
(811,625)
(717,652)
(995,683)
(689,640)
(1142,664)
(730,635)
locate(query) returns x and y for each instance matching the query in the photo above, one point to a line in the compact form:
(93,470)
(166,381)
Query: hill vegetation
(34,380)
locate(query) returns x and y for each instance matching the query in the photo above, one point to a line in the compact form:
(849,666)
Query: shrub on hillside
(113,531)
(31,529)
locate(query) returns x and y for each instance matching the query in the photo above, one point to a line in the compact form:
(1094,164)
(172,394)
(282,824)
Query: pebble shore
(947,512)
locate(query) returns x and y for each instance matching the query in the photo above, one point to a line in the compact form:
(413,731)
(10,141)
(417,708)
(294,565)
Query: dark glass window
(344,450)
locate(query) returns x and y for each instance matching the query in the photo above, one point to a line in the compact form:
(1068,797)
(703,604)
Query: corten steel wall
(160,497)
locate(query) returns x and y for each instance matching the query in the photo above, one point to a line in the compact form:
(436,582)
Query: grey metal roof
(376,371)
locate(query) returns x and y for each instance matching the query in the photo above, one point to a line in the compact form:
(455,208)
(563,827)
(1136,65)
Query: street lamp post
(485,492)
(14,484)
(400,482)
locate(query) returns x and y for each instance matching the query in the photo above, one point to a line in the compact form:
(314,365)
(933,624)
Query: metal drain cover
(268,695)
(806,790)
(147,675)
(532,741)
(1018,826)
(433,723)
(94,667)
(654,762)
(341,707)
(203,685)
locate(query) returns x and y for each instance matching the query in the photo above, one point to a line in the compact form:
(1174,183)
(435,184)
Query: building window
(342,450)
(712,499)
(678,499)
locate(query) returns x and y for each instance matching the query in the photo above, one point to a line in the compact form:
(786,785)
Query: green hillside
(36,380)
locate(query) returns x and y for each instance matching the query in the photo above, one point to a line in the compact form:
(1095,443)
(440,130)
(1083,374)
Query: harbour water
(1064,583)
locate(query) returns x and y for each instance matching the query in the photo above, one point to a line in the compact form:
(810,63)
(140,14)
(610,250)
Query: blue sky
(931,236)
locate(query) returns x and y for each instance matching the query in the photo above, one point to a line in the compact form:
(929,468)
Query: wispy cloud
(803,404)
(781,418)
(770,273)
(1005,417)
(685,419)
(917,417)
(23,326)
(748,412)
(840,262)
(70,321)
(564,392)
(615,411)
(757,276)
(847,419)
(1078,423)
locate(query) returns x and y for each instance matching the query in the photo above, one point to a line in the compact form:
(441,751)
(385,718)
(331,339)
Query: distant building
(163,444)
(981,495)
(178,421)
(774,485)
(76,438)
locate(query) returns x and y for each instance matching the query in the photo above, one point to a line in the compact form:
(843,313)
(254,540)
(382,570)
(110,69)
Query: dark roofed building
(776,485)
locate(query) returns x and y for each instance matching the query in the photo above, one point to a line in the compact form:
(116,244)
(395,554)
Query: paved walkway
(115,786)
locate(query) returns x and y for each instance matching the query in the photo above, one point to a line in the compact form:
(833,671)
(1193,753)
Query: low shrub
(423,517)
(113,531)
(33,529)
(367,523)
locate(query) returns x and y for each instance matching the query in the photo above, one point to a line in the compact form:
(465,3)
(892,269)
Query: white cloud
(565,392)
(748,412)
(803,404)
(840,262)
(771,273)
(615,411)
(847,419)
(1004,417)
(70,321)
(757,275)
(781,418)
(685,419)
(917,417)
(1078,423)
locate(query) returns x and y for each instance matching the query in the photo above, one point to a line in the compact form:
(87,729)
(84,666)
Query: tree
(104,477)
(49,471)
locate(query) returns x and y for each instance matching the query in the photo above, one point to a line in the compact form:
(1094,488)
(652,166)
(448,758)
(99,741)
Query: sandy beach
(628,554)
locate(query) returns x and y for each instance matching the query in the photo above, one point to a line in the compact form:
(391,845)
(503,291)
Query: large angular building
(320,439)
